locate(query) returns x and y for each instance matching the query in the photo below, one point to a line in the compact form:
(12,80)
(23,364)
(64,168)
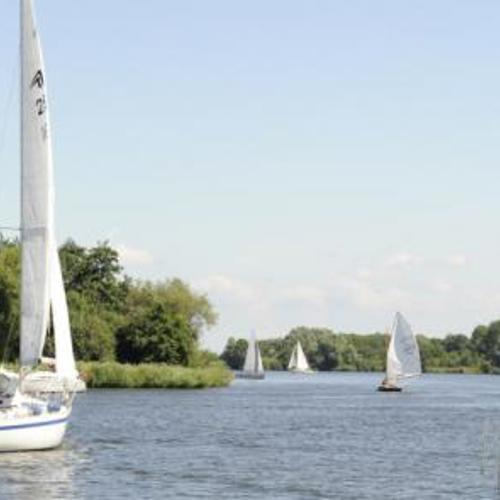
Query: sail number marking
(39,82)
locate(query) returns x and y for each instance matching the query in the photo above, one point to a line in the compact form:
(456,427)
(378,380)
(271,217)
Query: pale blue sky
(304,162)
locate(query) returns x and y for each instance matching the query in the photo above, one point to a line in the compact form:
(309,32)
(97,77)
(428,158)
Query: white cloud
(361,296)
(305,293)
(226,285)
(134,256)
(442,287)
(373,292)
(403,259)
(457,260)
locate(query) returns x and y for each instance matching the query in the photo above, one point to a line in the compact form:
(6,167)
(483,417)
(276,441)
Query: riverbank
(112,375)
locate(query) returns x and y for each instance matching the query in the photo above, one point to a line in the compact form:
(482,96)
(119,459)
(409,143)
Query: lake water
(289,437)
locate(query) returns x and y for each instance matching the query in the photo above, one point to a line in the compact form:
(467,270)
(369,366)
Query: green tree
(94,272)
(93,328)
(10,272)
(155,335)
(456,343)
(109,313)
(178,297)
(234,353)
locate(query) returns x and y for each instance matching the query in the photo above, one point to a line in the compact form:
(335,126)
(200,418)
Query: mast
(21,142)
(21,113)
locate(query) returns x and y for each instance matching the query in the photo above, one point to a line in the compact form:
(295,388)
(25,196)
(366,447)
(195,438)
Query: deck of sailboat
(51,383)
(251,375)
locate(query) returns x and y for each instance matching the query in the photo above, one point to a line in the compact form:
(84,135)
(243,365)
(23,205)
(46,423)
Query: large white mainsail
(253,359)
(42,283)
(36,192)
(298,361)
(403,356)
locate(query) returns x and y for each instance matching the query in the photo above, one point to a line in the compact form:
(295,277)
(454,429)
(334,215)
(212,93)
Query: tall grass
(150,376)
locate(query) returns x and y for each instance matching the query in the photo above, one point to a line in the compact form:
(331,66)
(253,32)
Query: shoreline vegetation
(112,375)
(126,333)
(139,334)
(349,352)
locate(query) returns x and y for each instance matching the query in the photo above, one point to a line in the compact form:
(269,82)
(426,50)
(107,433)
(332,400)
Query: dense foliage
(113,317)
(327,351)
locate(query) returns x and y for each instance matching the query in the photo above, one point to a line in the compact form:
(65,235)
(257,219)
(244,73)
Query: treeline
(326,351)
(113,317)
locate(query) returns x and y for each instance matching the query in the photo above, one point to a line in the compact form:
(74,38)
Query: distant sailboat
(29,421)
(403,356)
(298,361)
(253,367)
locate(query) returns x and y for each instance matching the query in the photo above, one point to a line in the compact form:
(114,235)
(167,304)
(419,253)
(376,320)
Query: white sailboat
(253,367)
(403,356)
(298,361)
(29,421)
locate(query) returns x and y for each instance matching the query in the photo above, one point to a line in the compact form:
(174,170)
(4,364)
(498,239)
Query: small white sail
(65,359)
(403,355)
(298,361)
(253,358)
(37,192)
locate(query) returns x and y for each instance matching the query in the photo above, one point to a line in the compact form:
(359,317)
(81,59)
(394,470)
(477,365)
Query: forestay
(403,356)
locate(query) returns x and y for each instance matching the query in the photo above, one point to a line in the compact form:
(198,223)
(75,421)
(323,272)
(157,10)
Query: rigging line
(7,120)
(6,111)
(7,345)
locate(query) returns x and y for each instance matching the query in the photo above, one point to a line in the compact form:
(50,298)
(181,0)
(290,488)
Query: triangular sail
(403,355)
(37,192)
(292,364)
(298,360)
(253,359)
(259,366)
(65,360)
(302,363)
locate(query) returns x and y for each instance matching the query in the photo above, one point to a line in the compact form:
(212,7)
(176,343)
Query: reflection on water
(490,453)
(42,475)
(288,437)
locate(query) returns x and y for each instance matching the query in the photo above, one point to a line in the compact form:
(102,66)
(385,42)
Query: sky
(314,162)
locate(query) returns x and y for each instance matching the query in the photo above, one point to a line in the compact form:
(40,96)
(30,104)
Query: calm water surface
(288,437)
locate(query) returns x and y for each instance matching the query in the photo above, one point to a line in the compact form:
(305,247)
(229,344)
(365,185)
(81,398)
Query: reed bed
(154,376)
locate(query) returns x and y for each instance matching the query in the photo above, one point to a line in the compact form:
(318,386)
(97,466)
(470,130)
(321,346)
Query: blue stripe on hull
(39,424)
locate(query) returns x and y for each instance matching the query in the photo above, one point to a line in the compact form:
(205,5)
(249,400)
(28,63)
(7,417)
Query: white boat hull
(41,432)
(301,372)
